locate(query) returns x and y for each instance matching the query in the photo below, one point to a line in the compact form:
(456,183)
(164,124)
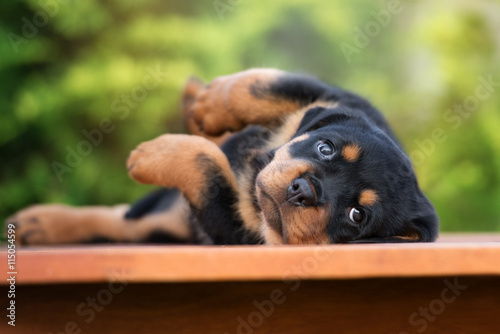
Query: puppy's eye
(325,148)
(357,215)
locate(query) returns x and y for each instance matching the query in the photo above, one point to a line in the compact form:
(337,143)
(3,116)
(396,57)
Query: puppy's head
(342,179)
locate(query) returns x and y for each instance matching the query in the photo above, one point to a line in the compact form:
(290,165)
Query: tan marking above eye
(283,154)
(368,197)
(351,152)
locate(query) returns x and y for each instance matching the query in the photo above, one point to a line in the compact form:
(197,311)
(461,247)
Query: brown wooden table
(452,286)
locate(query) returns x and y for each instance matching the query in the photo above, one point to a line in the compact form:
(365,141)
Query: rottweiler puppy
(273,158)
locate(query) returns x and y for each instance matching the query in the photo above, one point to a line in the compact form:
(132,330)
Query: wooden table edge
(149,264)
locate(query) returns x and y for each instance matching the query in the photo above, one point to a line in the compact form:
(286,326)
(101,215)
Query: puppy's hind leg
(61,224)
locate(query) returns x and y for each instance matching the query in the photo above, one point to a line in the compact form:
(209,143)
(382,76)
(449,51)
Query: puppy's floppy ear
(424,224)
(318,117)
(423,228)
(389,240)
(426,227)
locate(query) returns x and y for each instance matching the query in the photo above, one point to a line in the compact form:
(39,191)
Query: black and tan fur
(273,158)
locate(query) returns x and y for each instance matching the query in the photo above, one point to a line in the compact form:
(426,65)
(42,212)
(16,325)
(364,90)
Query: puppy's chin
(271,226)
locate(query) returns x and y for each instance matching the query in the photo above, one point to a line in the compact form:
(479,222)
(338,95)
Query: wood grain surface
(457,255)
(452,286)
(391,305)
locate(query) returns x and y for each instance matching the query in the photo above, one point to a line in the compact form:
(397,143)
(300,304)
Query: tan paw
(214,110)
(178,161)
(39,224)
(191,90)
(231,102)
(152,161)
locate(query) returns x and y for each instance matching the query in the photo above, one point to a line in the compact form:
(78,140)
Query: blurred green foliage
(64,72)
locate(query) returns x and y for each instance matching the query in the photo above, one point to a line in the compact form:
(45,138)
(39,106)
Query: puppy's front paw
(170,158)
(214,111)
(152,161)
(178,161)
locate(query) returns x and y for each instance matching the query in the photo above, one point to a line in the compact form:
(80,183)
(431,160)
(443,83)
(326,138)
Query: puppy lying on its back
(307,163)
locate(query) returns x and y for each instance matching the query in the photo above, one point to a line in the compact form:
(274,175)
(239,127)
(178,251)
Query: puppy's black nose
(300,193)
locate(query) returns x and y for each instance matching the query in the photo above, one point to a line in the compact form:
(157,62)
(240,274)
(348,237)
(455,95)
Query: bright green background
(64,80)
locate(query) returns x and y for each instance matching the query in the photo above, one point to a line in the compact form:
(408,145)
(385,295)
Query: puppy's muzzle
(300,193)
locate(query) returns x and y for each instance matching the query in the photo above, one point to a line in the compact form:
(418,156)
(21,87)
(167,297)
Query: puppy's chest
(256,157)
(286,130)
